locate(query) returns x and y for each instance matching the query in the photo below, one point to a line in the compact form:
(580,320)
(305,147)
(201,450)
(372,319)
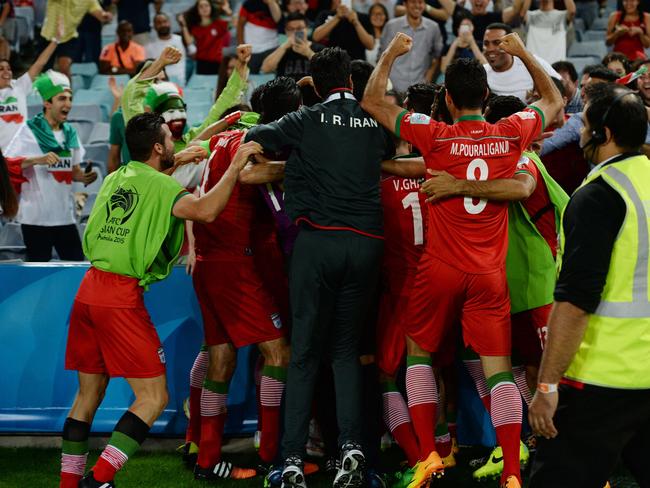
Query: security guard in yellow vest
(592,405)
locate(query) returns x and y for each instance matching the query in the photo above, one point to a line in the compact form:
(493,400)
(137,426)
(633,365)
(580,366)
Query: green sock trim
(451,417)
(204,348)
(441,429)
(74,448)
(124,443)
(276,372)
(415,360)
(494,380)
(388,386)
(215,386)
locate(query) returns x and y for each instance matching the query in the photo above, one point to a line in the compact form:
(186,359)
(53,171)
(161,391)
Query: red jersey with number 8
(467,233)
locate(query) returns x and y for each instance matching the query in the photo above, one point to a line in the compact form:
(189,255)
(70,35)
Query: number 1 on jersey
(481,165)
(412,200)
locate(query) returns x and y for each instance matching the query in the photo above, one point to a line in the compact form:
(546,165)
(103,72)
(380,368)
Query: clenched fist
(401,44)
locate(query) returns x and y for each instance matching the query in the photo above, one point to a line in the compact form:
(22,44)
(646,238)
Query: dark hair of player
(499,26)
(330,69)
(566,67)
(280,96)
(256,98)
(603,73)
(502,106)
(142,132)
(466,82)
(625,117)
(420,97)
(360,71)
(8,199)
(243,107)
(620,57)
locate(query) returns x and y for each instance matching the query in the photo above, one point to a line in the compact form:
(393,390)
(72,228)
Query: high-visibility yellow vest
(615,351)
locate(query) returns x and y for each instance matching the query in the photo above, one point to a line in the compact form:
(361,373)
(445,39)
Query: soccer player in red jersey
(463,266)
(237,305)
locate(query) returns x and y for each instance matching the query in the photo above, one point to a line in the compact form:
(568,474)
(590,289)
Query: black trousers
(39,241)
(597,428)
(332,282)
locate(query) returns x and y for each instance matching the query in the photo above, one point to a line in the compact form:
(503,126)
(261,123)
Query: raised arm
(209,206)
(444,185)
(404,167)
(373,98)
(364,36)
(570,10)
(614,30)
(550,102)
(261,173)
(323,31)
(274,8)
(42,59)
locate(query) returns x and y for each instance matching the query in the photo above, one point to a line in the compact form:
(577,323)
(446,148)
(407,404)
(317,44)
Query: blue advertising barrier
(36,391)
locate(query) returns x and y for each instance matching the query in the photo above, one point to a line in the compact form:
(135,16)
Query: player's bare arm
(261,173)
(404,167)
(444,185)
(551,100)
(210,205)
(373,98)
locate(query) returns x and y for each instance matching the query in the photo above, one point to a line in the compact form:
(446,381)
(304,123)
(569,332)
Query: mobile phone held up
(300,36)
(347,3)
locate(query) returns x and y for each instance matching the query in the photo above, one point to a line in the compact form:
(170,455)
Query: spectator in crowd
(546,36)
(13,94)
(123,55)
(378,17)
(395,97)
(506,74)
(162,39)
(137,12)
(643,84)
(571,89)
(420,63)
(587,10)
(293,56)
(345,28)
(52,152)
(203,28)
(597,74)
(70,13)
(464,46)
(586,72)
(618,63)
(294,7)
(6,11)
(90,37)
(257,25)
(481,18)
(627,30)
(437,10)
(8,198)
(360,72)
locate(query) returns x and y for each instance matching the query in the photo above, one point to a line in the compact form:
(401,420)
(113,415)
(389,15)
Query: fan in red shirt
(236,300)
(463,264)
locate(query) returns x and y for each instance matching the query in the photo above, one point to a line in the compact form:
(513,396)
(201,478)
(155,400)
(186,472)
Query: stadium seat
(108,38)
(261,78)
(98,154)
(33,109)
(588,48)
(100,97)
(593,35)
(26,13)
(197,112)
(581,62)
(86,111)
(84,127)
(201,82)
(196,96)
(11,236)
(99,134)
(100,82)
(579,24)
(600,23)
(84,69)
(79,82)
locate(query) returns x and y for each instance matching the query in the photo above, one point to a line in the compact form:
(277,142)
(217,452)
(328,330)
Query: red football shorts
(443,295)
(529,334)
(112,340)
(235,303)
(391,342)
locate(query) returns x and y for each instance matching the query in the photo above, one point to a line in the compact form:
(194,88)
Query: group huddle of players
(438,293)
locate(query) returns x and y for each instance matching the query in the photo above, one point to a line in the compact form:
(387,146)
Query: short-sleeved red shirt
(468,233)
(539,206)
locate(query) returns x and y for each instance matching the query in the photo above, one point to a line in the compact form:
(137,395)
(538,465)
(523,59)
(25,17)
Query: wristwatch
(547,387)
(114,69)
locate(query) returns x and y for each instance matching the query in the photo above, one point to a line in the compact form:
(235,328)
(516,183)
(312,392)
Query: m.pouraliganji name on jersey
(481,149)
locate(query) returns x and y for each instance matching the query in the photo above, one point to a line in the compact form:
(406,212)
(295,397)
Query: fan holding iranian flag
(52,152)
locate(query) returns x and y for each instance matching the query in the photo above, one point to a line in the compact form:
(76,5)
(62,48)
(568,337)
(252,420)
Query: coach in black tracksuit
(332,192)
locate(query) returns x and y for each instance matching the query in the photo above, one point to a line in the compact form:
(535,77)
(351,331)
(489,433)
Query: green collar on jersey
(469,117)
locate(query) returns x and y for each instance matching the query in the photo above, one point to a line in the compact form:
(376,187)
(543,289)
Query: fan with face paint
(166,99)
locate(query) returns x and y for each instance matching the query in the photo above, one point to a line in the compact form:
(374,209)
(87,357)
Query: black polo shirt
(295,65)
(333,170)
